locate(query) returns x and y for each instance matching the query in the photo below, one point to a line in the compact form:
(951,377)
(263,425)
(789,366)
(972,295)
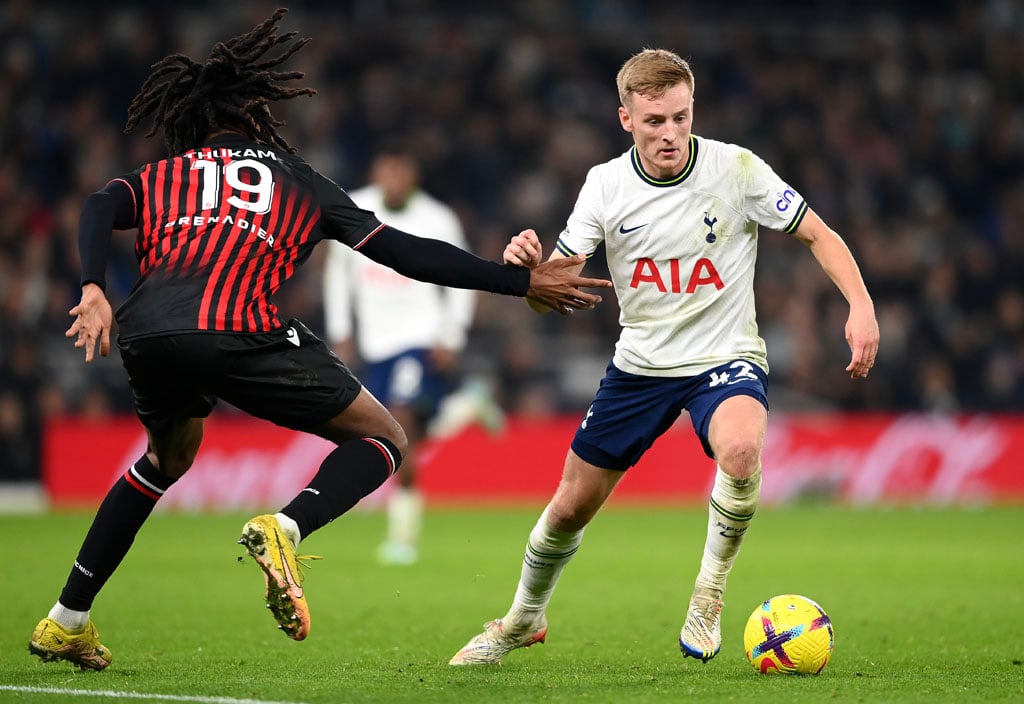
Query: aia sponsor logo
(668,275)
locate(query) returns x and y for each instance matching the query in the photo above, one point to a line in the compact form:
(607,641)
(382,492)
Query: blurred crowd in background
(902,124)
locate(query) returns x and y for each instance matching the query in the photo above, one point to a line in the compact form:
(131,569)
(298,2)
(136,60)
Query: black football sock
(124,509)
(353,470)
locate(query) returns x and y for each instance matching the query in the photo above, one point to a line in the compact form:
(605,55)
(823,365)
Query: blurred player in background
(222,223)
(679,216)
(408,333)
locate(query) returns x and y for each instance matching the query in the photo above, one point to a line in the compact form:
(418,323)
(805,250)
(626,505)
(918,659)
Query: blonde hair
(651,73)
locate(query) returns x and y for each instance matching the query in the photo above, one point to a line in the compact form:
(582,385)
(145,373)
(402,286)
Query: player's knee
(568,516)
(739,457)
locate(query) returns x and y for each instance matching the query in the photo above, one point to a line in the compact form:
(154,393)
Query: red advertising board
(859,459)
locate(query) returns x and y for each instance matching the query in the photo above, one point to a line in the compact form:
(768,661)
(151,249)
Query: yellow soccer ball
(789,634)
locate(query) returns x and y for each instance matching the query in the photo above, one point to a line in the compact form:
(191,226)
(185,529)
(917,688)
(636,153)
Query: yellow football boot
(266,542)
(51,641)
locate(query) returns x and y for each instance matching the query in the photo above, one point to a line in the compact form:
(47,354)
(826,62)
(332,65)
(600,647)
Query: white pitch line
(113,694)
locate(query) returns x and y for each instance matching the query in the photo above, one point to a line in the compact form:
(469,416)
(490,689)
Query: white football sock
(69,618)
(405,516)
(730,510)
(547,554)
(290,528)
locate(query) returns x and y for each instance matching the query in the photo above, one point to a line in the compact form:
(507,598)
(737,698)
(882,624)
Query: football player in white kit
(679,217)
(408,333)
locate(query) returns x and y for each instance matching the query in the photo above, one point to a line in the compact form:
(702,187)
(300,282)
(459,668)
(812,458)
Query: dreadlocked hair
(231,90)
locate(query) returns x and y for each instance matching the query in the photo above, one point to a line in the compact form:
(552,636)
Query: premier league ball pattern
(789,634)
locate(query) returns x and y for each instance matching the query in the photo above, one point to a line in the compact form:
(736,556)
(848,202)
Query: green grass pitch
(928,606)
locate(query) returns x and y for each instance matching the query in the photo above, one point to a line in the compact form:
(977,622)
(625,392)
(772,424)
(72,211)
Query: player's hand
(556,284)
(862,336)
(524,250)
(93,318)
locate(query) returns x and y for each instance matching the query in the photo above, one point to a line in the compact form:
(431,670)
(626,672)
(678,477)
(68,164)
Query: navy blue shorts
(407,379)
(630,412)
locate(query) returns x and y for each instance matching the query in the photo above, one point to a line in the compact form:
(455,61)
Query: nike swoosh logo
(287,570)
(626,230)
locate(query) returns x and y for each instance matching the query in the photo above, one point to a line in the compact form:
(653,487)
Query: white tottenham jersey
(392,313)
(681,254)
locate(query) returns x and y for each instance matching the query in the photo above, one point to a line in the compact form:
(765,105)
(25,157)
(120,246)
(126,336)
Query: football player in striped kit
(222,223)
(679,217)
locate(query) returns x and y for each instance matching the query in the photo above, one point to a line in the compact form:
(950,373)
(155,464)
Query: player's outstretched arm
(556,283)
(835,258)
(108,209)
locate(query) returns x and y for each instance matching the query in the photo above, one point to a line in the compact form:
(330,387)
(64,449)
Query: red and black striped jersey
(220,228)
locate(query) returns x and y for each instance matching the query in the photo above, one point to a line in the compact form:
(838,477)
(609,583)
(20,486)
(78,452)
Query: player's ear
(625,120)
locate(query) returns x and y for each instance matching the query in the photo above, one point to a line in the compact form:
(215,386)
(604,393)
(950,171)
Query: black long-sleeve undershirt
(112,208)
(444,264)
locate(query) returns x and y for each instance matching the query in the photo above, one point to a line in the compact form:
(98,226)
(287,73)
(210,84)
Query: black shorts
(288,376)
